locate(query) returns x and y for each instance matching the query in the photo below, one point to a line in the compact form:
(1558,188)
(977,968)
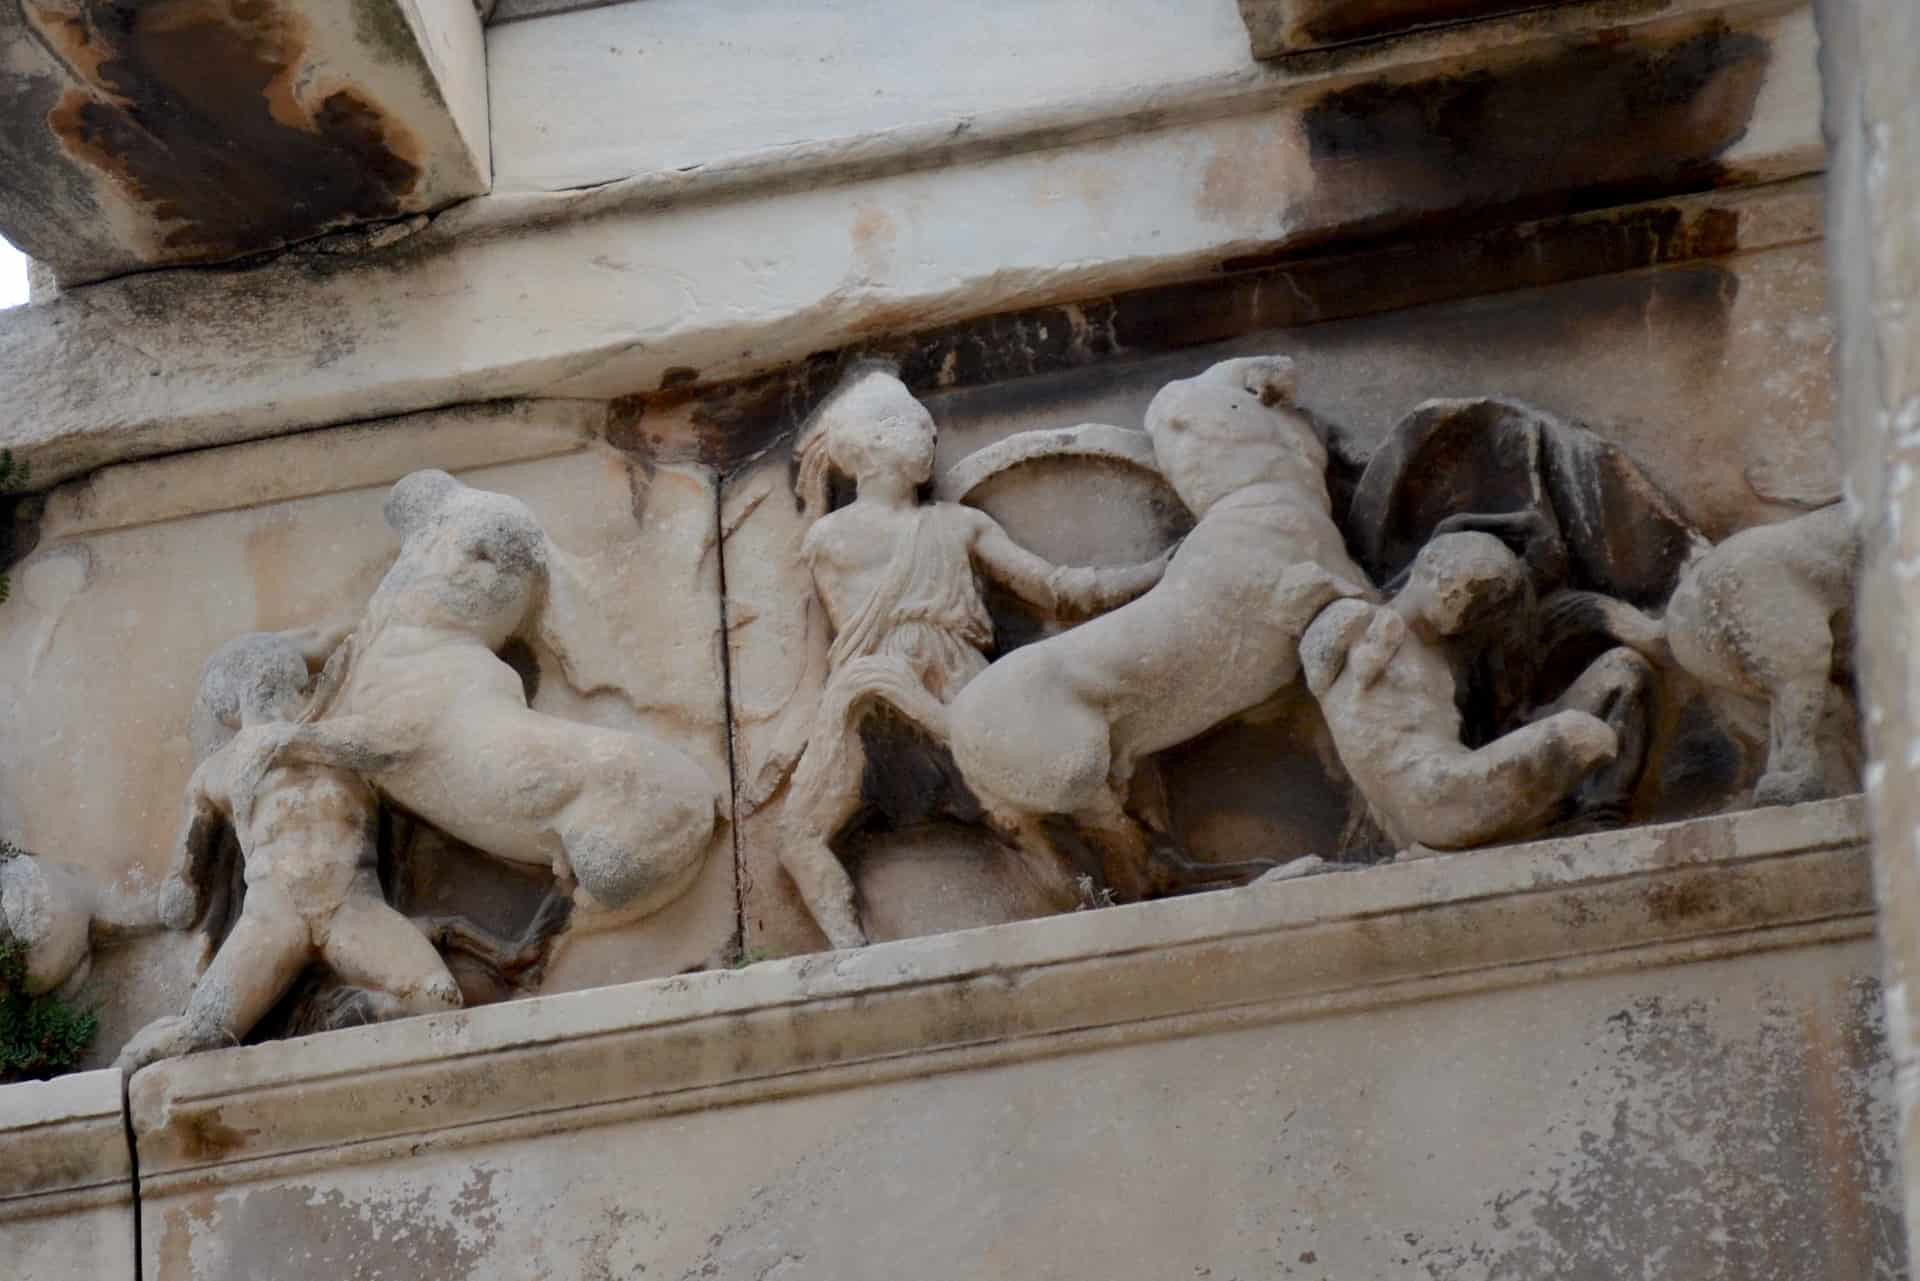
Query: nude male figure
(1385,684)
(307,834)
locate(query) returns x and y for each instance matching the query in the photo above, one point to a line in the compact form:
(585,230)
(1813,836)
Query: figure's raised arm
(1057,589)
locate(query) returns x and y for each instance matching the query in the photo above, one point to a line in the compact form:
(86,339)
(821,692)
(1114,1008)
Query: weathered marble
(196,130)
(66,1181)
(169,560)
(1561,1059)
(1722,401)
(1767,614)
(1276,28)
(670,277)
(1870,62)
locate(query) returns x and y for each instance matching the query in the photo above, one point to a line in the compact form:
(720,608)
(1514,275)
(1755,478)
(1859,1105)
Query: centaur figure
(419,703)
(899,580)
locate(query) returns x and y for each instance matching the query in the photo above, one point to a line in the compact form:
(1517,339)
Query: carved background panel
(1712,378)
(141,573)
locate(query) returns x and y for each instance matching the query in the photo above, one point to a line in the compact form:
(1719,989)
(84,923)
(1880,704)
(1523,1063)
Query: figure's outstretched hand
(1085,590)
(350,743)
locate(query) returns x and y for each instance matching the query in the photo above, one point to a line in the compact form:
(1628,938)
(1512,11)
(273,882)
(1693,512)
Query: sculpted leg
(370,945)
(1793,758)
(1509,785)
(825,796)
(257,963)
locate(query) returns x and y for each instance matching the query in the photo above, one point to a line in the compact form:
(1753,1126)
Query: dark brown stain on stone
(1673,902)
(1602,121)
(735,421)
(203,1136)
(197,110)
(1316,22)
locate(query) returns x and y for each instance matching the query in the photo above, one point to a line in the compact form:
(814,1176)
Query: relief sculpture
(1050,736)
(1489,627)
(1383,678)
(1767,614)
(312,745)
(419,701)
(898,580)
(307,837)
(1505,629)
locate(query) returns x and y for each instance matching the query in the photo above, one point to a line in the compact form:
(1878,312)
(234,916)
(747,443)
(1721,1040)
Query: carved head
(258,677)
(418,497)
(1460,582)
(1232,426)
(870,426)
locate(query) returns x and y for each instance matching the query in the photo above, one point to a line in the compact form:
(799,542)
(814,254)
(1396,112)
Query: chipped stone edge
(1372,937)
(1259,88)
(326,460)
(63,1147)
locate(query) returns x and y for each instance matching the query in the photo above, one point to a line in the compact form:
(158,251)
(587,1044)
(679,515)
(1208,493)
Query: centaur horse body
(420,703)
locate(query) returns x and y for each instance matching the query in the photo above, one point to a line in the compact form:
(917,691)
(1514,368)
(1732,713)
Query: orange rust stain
(873,236)
(1252,180)
(202,1136)
(211,115)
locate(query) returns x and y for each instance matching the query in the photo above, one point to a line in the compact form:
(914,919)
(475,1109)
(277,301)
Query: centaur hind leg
(370,945)
(1172,866)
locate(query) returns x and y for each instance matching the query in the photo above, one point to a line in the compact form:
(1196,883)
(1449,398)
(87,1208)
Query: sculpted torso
(1391,706)
(851,550)
(427,672)
(459,591)
(1056,727)
(307,828)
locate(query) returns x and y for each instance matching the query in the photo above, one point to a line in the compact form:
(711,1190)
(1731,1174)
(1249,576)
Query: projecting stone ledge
(1549,1060)
(174,131)
(66,1181)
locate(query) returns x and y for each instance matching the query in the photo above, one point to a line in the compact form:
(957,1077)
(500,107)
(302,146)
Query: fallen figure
(1384,682)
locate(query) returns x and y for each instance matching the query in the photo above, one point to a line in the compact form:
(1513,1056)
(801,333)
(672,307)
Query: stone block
(66,1180)
(1552,1060)
(176,131)
(140,574)
(668,279)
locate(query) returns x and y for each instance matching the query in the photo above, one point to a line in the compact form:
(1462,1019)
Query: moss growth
(40,1036)
(750,956)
